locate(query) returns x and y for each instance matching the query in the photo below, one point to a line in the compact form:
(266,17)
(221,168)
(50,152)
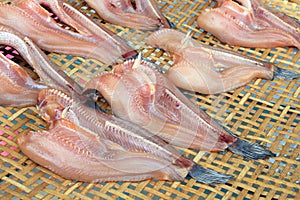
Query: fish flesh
(112,150)
(210,70)
(50,75)
(67,138)
(136,14)
(138,93)
(77,153)
(250,23)
(19,89)
(80,37)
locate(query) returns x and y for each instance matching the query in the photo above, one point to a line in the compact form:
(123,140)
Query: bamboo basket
(264,111)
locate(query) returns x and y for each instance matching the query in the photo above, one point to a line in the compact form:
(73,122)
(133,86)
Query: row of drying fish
(85,38)
(250,23)
(247,23)
(237,22)
(85,144)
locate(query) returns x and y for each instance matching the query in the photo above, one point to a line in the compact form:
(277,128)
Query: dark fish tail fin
(208,176)
(250,150)
(247,149)
(285,73)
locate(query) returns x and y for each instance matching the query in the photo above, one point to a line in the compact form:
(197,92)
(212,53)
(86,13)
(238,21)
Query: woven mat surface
(267,112)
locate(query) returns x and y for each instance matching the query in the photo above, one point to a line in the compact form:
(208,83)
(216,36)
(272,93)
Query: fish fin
(250,150)
(285,73)
(208,176)
(247,149)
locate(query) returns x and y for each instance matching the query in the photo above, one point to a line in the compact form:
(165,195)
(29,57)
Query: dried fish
(210,70)
(81,37)
(88,145)
(138,93)
(250,23)
(137,14)
(50,74)
(19,88)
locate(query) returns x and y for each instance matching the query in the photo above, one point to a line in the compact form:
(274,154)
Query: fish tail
(247,149)
(208,176)
(250,150)
(285,73)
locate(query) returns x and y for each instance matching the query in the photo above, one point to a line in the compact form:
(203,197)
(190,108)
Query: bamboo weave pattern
(267,112)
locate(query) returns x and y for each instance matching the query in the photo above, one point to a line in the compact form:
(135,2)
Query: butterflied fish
(250,23)
(49,74)
(77,153)
(82,38)
(138,93)
(137,14)
(88,145)
(210,70)
(17,88)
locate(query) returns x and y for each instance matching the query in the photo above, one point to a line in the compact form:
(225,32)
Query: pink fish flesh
(206,69)
(83,38)
(138,93)
(250,23)
(137,14)
(116,151)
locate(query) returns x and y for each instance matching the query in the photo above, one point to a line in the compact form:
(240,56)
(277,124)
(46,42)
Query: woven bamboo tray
(267,112)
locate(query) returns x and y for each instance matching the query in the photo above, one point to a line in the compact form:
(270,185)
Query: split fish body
(137,14)
(50,75)
(83,38)
(17,88)
(76,153)
(92,146)
(207,69)
(250,23)
(148,99)
(140,94)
